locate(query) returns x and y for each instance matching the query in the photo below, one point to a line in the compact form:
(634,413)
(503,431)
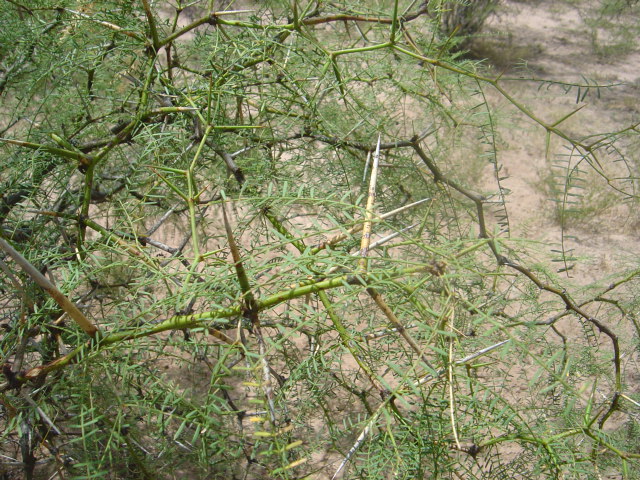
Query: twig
(43,415)
(462,361)
(109,25)
(356,228)
(371,199)
(16,284)
(452,402)
(359,441)
(382,305)
(159,223)
(229,161)
(250,311)
(152,25)
(66,304)
(375,245)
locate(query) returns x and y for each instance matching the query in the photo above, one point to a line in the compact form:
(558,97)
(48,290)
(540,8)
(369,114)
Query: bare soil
(550,40)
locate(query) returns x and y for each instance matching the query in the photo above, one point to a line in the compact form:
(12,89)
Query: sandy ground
(551,40)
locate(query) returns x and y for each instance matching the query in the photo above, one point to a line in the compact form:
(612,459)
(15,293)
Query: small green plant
(613,27)
(578,196)
(462,20)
